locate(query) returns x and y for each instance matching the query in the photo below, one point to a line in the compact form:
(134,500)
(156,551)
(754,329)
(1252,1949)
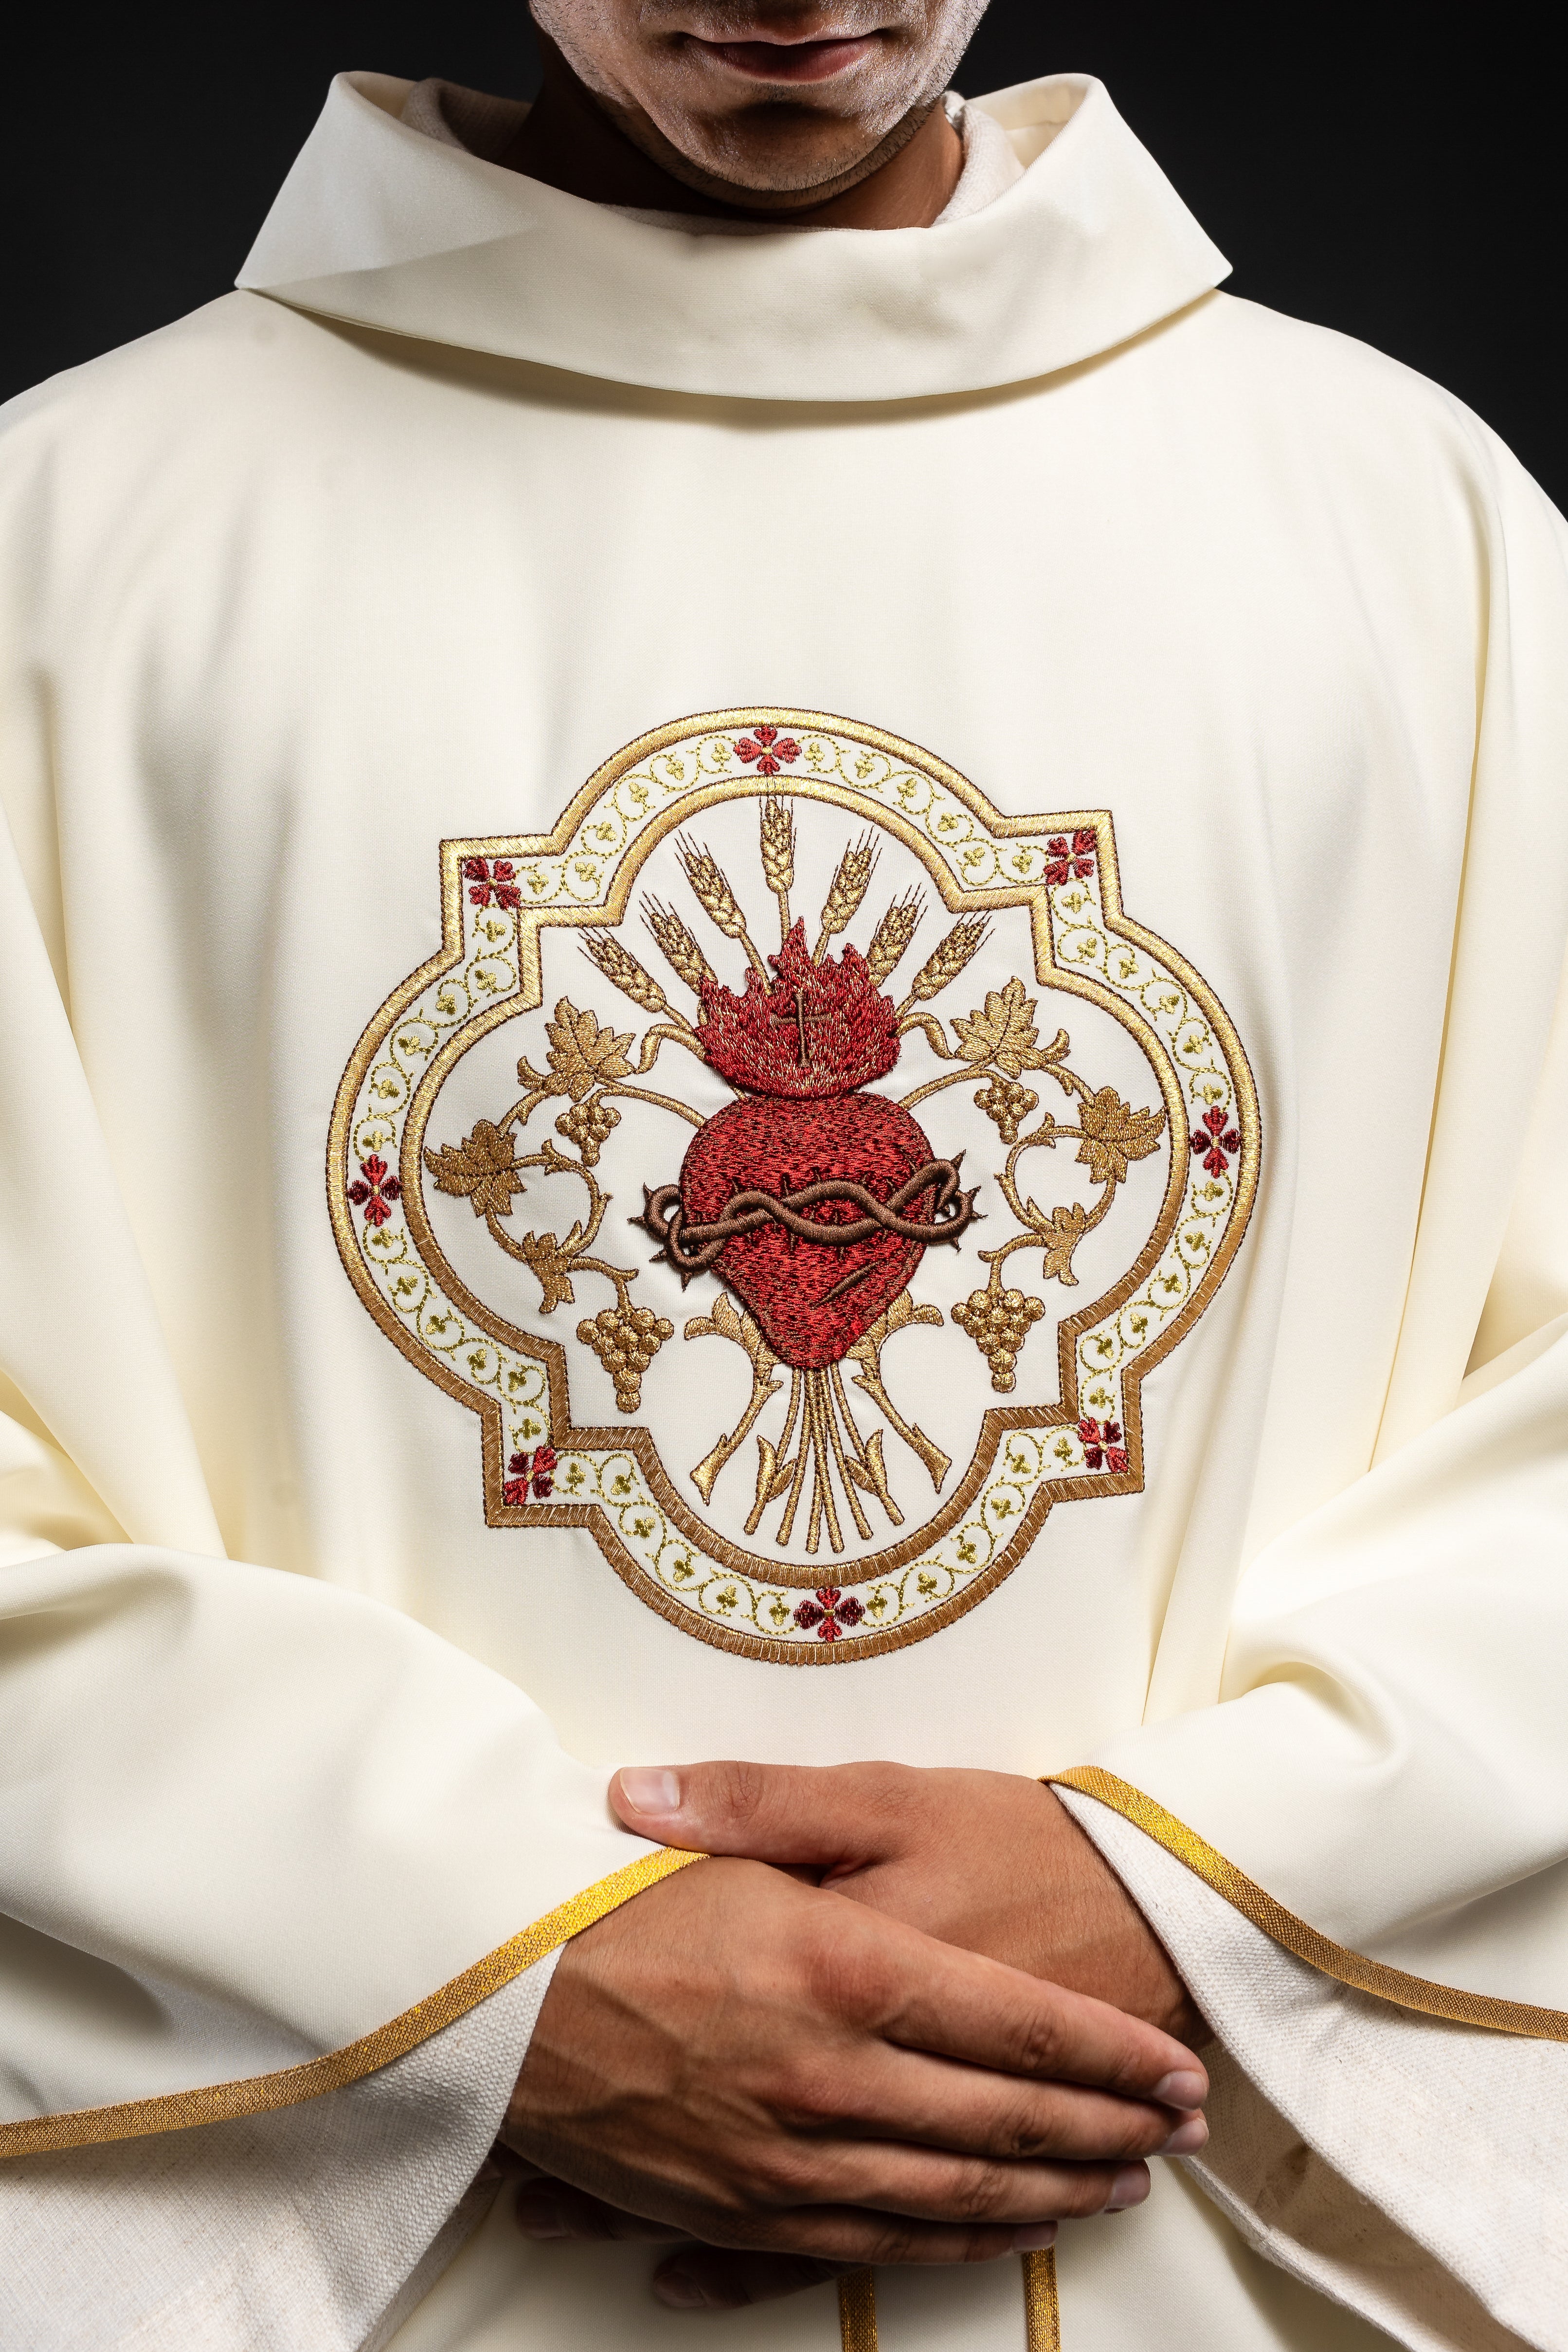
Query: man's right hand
(752,2062)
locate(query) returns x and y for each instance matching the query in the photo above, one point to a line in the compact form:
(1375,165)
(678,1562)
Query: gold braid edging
(857,2311)
(1353,1969)
(261,2094)
(1042,2312)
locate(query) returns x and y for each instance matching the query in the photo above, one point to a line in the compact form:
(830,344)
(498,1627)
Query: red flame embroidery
(818,1029)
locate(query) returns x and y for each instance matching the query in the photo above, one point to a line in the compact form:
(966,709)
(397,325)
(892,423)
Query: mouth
(786,61)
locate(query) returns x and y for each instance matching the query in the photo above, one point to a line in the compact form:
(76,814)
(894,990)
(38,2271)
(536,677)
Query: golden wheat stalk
(849,887)
(952,954)
(710,887)
(678,945)
(779,858)
(625,972)
(890,941)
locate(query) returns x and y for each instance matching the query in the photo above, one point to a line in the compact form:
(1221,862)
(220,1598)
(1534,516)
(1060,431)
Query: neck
(571,143)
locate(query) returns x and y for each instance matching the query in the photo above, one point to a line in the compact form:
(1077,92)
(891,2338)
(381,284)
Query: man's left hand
(989,1861)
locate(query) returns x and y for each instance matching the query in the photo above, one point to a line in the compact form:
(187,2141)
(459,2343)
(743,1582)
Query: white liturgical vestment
(788,997)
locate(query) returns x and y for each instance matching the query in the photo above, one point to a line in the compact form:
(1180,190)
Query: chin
(766,166)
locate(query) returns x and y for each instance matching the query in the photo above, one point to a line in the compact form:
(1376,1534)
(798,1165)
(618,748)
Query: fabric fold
(385,227)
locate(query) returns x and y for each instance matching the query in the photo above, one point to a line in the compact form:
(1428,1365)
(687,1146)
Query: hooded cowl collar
(380,227)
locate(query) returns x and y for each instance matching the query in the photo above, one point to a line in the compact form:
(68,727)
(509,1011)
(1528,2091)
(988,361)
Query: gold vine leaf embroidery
(1004,1031)
(1060,1234)
(582,1054)
(1113,1133)
(552,1261)
(482,1170)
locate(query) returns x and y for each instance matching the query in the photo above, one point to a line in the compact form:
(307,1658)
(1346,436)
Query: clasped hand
(794,2084)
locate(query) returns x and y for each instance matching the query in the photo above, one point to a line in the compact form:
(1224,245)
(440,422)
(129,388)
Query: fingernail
(1186,2138)
(681,2291)
(1037,2235)
(1182,2089)
(648,1788)
(539,2217)
(1130,2187)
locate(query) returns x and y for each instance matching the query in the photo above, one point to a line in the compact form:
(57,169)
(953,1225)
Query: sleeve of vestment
(1408,2167)
(318,2226)
(1357,1848)
(260,1837)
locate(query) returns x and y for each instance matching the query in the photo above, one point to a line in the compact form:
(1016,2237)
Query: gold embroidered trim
(857,2311)
(262,2094)
(1042,2309)
(1353,1969)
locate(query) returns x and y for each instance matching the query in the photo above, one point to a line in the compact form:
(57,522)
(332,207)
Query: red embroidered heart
(811,1300)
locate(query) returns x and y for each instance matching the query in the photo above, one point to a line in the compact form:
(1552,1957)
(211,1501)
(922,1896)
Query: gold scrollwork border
(732,1558)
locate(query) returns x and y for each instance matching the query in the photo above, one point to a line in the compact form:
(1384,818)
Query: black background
(1363,168)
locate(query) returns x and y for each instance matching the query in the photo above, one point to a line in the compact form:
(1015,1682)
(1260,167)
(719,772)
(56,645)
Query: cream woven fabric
(1410,2169)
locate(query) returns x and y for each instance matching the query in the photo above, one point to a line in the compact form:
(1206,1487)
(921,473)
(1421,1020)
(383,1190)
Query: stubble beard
(790,141)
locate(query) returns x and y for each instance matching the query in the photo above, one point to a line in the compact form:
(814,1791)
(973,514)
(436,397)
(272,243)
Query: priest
(781,1083)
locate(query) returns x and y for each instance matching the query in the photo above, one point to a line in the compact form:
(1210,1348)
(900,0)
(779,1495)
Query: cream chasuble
(786,996)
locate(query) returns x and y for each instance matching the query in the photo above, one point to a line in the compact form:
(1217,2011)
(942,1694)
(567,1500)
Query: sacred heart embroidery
(811,1199)
(957,1087)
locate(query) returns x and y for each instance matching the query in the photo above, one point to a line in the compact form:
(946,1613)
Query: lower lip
(778,61)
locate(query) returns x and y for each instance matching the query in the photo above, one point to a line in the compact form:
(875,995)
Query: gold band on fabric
(1041,2310)
(261,2094)
(857,2311)
(1318,1951)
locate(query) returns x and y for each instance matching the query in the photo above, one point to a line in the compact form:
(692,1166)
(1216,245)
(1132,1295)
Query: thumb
(821,1816)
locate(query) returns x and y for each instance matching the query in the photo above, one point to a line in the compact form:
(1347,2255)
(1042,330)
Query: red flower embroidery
(538,1467)
(1216,1142)
(1103,1446)
(833,1612)
(767,749)
(497,882)
(1070,860)
(378,1191)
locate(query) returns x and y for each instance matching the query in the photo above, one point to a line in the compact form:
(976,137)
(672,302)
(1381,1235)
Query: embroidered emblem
(877,1174)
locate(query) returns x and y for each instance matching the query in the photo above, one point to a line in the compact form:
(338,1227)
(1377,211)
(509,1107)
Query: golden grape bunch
(588,1125)
(1007,1102)
(999,1322)
(626,1339)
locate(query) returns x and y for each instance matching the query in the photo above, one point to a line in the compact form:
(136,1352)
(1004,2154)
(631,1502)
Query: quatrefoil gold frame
(606,908)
